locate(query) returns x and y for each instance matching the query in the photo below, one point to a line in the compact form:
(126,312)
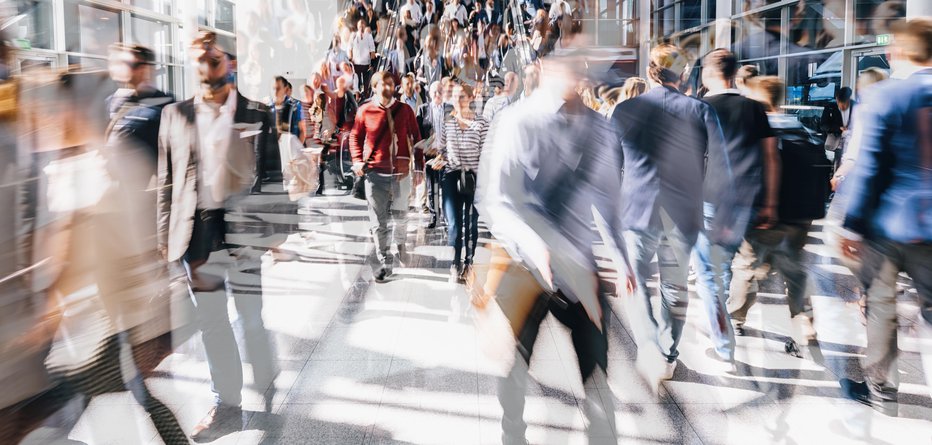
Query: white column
(644,24)
(188,31)
(722,20)
(918,8)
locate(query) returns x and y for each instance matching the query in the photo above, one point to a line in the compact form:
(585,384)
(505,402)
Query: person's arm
(871,172)
(357,140)
(164,183)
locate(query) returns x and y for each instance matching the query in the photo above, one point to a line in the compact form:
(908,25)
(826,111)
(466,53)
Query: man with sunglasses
(207,158)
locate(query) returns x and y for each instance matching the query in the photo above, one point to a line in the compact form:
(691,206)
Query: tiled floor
(400,362)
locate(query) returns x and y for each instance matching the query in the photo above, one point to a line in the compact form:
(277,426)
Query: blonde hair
(768,90)
(668,64)
(633,87)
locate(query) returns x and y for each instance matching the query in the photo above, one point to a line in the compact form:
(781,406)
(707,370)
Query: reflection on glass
(87,63)
(224,16)
(690,14)
(873,17)
(153,34)
(813,79)
(89,29)
(817,25)
(750,5)
(617,9)
(34,27)
(757,35)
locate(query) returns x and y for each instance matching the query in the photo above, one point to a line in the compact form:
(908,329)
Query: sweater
(370,142)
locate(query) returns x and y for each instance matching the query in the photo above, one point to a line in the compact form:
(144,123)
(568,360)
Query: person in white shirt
(414,9)
(503,98)
(362,49)
(336,56)
(456,11)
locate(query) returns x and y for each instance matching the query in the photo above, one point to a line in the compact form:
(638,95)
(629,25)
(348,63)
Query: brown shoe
(220,421)
(204,282)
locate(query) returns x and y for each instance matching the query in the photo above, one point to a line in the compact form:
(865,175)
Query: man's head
(719,68)
(131,64)
(341,85)
(383,86)
(435,94)
(347,68)
(531,78)
(511,84)
(280,88)
(843,95)
(870,76)
(668,65)
(214,67)
(745,73)
(912,41)
(361,26)
(407,85)
(448,85)
(490,4)
(336,41)
(462,97)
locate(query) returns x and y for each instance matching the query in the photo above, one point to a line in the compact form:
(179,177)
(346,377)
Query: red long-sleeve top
(370,140)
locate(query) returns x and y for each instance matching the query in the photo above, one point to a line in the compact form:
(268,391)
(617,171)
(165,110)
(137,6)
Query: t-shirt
(362,47)
(744,124)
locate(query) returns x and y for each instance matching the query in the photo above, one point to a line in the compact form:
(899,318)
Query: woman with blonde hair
(633,87)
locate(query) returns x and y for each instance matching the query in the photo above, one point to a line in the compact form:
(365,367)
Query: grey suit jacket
(177,166)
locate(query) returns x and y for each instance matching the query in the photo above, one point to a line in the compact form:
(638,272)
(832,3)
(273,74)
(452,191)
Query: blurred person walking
(208,146)
(748,142)
(780,233)
(501,100)
(431,117)
(381,144)
(361,52)
(668,141)
(460,145)
(549,162)
(888,220)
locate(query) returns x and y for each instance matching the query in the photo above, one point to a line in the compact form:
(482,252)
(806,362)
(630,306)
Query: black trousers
(207,236)
(433,184)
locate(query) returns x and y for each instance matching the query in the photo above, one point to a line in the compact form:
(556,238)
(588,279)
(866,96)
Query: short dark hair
(285,83)
(747,72)
(142,54)
(843,94)
(381,76)
(722,62)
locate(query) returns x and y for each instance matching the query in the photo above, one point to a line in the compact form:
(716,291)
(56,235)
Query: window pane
(224,16)
(160,6)
(33,28)
(88,62)
(89,29)
(757,35)
(154,34)
(690,14)
(710,9)
(873,17)
(817,26)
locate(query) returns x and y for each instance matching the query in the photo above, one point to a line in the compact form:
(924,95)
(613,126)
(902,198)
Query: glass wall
(89,27)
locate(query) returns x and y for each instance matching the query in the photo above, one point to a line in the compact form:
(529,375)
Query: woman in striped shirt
(460,145)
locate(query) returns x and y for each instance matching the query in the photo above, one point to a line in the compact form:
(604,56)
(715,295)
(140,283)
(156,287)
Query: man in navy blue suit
(667,138)
(889,217)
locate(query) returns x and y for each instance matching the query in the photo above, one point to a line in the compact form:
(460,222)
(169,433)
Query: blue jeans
(462,219)
(712,263)
(672,248)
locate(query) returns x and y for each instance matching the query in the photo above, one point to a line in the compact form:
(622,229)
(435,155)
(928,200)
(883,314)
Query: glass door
(874,59)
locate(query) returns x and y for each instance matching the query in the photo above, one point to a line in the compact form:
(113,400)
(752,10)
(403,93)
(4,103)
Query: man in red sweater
(383,133)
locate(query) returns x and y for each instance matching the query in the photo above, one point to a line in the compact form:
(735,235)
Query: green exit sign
(884,39)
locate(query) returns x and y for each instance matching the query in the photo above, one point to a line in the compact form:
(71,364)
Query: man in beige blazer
(209,149)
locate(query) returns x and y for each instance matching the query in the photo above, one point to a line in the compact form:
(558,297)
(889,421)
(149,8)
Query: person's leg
(471,230)
(453,208)
(747,267)
(710,262)
(511,388)
(641,247)
(918,264)
(879,362)
(790,263)
(401,193)
(431,177)
(673,259)
(223,359)
(378,196)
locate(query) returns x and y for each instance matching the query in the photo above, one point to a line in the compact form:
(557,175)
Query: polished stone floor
(401,362)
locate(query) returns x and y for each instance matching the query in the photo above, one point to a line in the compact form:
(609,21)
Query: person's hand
(163,251)
(835,181)
(767,217)
(359,169)
(630,283)
(851,249)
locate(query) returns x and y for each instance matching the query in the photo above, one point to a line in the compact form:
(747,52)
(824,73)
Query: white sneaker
(668,369)
(654,369)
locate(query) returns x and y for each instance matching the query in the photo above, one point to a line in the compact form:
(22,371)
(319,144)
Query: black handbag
(466,183)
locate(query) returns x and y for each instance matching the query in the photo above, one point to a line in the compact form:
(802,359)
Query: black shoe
(433,223)
(792,348)
(860,392)
(456,270)
(739,331)
(382,274)
(220,421)
(464,272)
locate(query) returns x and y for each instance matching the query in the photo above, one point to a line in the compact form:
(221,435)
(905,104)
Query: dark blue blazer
(666,139)
(891,188)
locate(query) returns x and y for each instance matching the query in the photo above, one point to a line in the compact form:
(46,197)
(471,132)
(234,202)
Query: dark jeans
(591,346)
(433,183)
(365,75)
(207,235)
(462,219)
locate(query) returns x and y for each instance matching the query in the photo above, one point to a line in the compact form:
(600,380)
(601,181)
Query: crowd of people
(468,112)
